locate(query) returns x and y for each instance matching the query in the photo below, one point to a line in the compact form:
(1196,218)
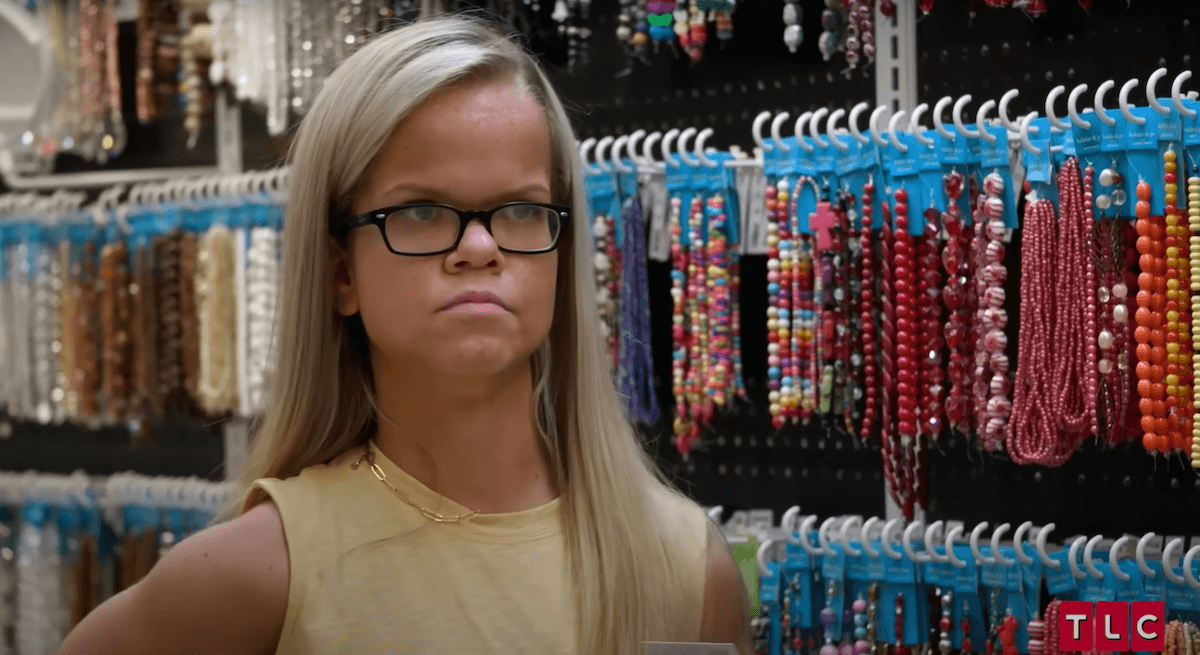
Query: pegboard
(1101,490)
(966,47)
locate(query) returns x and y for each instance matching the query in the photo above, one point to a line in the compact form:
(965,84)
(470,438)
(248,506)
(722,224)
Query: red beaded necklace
(892,452)
(868,317)
(954,296)
(933,375)
(907,349)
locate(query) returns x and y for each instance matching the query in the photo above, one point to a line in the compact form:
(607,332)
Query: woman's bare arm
(223,590)
(726,602)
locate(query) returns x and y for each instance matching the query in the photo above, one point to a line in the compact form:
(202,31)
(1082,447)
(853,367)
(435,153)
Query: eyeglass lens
(431,228)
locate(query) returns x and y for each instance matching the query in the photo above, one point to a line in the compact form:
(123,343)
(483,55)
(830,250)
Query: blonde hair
(626,579)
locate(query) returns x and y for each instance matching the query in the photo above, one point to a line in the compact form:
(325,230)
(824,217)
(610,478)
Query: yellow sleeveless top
(370,574)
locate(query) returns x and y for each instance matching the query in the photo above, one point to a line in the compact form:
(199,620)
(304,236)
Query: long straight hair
(626,580)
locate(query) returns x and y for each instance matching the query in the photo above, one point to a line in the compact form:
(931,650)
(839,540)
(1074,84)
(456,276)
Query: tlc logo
(1115,626)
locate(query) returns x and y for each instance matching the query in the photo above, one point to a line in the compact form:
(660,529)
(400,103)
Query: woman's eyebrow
(423,190)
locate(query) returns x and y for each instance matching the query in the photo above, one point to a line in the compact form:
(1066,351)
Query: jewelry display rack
(743,462)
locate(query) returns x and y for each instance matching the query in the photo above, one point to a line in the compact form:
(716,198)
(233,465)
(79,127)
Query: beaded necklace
(1150,335)
(954,296)
(930,287)
(603,235)
(806,336)
(852,339)
(1075,308)
(114,317)
(1178,376)
(679,332)
(1194,224)
(995,341)
(907,348)
(1033,433)
(779,264)
(892,451)
(720,309)
(868,316)
(697,309)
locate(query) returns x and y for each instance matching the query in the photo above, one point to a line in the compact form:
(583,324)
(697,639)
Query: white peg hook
(1187,566)
(823,536)
(648,147)
(873,124)
(1023,130)
(601,148)
(681,147)
(999,556)
(631,148)
(756,130)
(885,539)
(951,537)
(619,150)
(585,149)
(1073,107)
(1123,103)
(914,126)
(1140,555)
(667,138)
(806,528)
(844,538)
(1098,103)
(976,533)
(930,538)
(798,130)
(701,139)
(891,133)
(814,127)
(1167,556)
(1002,109)
(1152,91)
(831,130)
(1056,123)
(788,522)
(907,543)
(761,556)
(1114,557)
(1088,562)
(981,121)
(1072,558)
(853,123)
(937,118)
(962,128)
(776,126)
(864,535)
(1040,546)
(1177,95)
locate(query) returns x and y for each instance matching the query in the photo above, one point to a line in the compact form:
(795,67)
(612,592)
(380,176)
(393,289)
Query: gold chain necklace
(369,456)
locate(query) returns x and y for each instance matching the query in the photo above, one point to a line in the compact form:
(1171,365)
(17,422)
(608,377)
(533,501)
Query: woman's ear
(345,293)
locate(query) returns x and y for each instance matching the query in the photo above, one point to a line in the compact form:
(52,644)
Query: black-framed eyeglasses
(428,228)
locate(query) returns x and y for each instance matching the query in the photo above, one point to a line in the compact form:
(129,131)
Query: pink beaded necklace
(1075,334)
(1033,433)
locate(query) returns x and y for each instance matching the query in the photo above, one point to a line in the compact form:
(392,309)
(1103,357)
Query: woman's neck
(472,441)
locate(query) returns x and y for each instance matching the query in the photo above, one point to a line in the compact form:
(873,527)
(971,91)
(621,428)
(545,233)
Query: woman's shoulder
(686,522)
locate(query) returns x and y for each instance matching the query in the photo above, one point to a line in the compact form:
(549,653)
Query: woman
(445,466)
